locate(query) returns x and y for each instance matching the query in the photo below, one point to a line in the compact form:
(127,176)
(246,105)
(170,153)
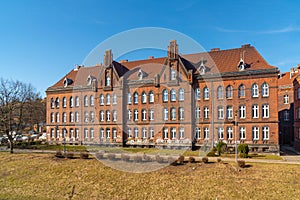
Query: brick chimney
(214,49)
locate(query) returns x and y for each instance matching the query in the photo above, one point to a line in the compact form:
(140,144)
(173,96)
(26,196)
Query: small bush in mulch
(219,160)
(241,163)
(205,160)
(70,155)
(84,155)
(192,160)
(125,157)
(99,155)
(180,160)
(211,154)
(59,154)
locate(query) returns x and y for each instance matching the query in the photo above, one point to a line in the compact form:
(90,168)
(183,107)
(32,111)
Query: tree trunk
(11,147)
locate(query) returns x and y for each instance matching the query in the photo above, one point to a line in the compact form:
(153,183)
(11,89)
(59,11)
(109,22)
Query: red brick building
(296,84)
(175,101)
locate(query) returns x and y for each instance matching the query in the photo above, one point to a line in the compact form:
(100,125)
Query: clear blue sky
(41,40)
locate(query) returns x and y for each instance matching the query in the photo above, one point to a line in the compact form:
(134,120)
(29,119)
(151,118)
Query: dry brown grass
(41,176)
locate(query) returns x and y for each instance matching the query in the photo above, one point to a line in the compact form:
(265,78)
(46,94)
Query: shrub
(211,154)
(99,155)
(180,160)
(221,147)
(125,157)
(241,163)
(111,156)
(59,154)
(137,159)
(205,159)
(84,155)
(219,160)
(192,160)
(243,150)
(70,155)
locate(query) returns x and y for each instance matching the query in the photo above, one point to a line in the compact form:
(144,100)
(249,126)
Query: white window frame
(229,112)
(135,98)
(181,133)
(181,113)
(77,117)
(181,94)
(136,132)
(255,90)
(151,114)
(144,114)
(198,94)
(136,115)
(265,90)
(205,93)
(229,92)
(165,114)
(114,99)
(129,98)
(197,112)
(165,95)
(173,133)
(266,132)
(144,97)
(107,99)
(173,95)
(71,117)
(197,132)
(144,133)
(229,133)
(77,101)
(265,111)
(206,133)
(129,114)
(64,102)
(286,99)
(92,102)
(220,92)
(220,133)
(242,133)
(220,112)
(255,111)
(255,133)
(86,101)
(206,112)
(71,102)
(242,112)
(102,116)
(108,115)
(166,133)
(101,99)
(151,97)
(173,113)
(114,115)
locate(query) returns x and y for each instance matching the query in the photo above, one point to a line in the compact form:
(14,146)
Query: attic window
(202,68)
(140,74)
(67,82)
(89,80)
(241,65)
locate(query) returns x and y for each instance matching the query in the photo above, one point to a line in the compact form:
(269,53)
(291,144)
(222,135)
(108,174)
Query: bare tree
(14,98)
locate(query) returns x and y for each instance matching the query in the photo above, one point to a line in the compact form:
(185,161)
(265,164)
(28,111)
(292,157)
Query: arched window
(71,102)
(52,103)
(165,95)
(173,113)
(205,93)
(165,114)
(173,95)
(101,99)
(265,90)
(77,117)
(107,80)
(114,100)
(181,113)
(197,94)
(129,98)
(173,74)
(71,117)
(220,92)
(92,116)
(107,99)
(64,102)
(136,98)
(298,91)
(241,91)
(64,118)
(181,94)
(57,102)
(92,103)
(151,97)
(77,101)
(255,90)
(144,97)
(52,118)
(57,117)
(229,92)
(286,99)
(85,101)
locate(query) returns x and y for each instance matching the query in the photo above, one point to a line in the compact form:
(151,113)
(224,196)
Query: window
(108,133)
(221,133)
(242,133)
(220,92)
(77,101)
(297,90)
(265,111)
(86,117)
(107,115)
(144,133)
(173,113)
(136,132)
(77,133)
(197,93)
(114,131)
(265,130)
(57,133)
(85,101)
(255,113)
(129,114)
(101,99)
(52,133)
(173,74)
(136,115)
(114,99)
(255,90)
(165,96)
(229,112)
(144,115)
(129,132)
(151,132)
(144,97)
(197,133)
(181,133)
(107,99)
(57,102)
(241,91)
(107,81)
(136,98)
(102,115)
(77,117)
(229,133)
(151,97)
(71,133)
(220,112)
(265,90)
(197,112)
(52,118)
(206,133)
(242,112)
(229,92)
(64,102)
(92,133)
(71,102)
(92,103)
(57,117)
(101,133)
(92,116)
(151,114)
(181,94)
(286,115)
(165,114)
(206,93)
(86,133)
(286,99)
(64,130)
(52,103)
(255,133)
(114,115)
(206,112)
(173,133)
(173,95)
(181,113)
(71,117)
(166,135)
(129,98)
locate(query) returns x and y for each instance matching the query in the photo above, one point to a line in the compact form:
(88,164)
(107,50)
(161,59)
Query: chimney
(214,49)
(246,45)
(173,50)
(151,57)
(76,67)
(108,57)
(123,61)
(292,71)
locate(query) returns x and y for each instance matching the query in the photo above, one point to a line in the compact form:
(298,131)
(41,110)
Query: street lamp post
(235,133)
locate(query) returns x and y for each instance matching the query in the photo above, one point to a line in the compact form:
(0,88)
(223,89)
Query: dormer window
(241,65)
(107,81)
(173,74)
(140,74)
(202,68)
(89,80)
(67,82)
